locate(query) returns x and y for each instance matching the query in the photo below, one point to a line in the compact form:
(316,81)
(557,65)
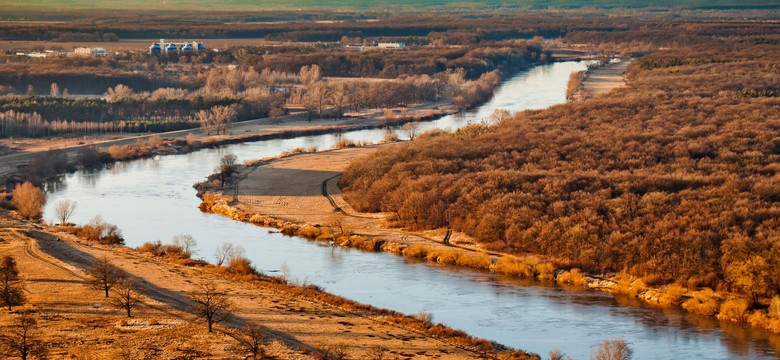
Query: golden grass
(672,295)
(476,261)
(416,251)
(734,310)
(703,302)
(573,277)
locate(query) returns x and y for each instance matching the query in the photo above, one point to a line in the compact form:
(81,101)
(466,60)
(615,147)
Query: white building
(82,51)
(391,45)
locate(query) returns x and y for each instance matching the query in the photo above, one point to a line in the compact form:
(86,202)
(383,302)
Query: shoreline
(63,250)
(431,246)
(15,163)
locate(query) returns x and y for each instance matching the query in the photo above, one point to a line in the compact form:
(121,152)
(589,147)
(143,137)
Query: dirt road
(53,266)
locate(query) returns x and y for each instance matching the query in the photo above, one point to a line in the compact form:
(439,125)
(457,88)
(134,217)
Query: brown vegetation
(28,200)
(11,285)
(638,182)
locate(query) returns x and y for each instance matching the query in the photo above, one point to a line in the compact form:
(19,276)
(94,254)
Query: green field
(258,5)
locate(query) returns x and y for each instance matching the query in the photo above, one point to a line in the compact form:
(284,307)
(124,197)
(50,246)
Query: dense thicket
(675,175)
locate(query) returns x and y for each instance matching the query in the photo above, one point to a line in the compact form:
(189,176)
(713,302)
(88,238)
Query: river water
(153,199)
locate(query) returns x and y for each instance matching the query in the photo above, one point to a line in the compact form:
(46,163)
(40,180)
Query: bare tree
(19,339)
(411,129)
(251,338)
(28,200)
(499,116)
(104,275)
(227,164)
(317,97)
(557,355)
(211,305)
(206,121)
(310,74)
(615,349)
(64,210)
(11,286)
(339,97)
(54,90)
(223,116)
(186,242)
(227,252)
(125,295)
(118,93)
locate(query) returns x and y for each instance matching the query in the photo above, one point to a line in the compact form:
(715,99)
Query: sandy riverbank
(298,194)
(76,320)
(603,79)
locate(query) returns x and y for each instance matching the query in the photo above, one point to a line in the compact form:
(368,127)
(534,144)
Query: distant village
(164,47)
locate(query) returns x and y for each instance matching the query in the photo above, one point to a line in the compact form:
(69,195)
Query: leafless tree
(104,275)
(206,121)
(211,305)
(227,252)
(317,96)
(499,116)
(227,164)
(125,295)
(64,210)
(28,200)
(222,117)
(55,90)
(118,93)
(557,355)
(615,349)
(19,338)
(339,97)
(251,338)
(310,74)
(186,242)
(411,129)
(11,285)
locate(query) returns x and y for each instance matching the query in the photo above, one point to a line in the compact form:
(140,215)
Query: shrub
(416,251)
(344,143)
(101,232)
(425,317)
(241,266)
(774,308)
(545,271)
(703,302)
(673,294)
(28,200)
(514,267)
(477,261)
(573,277)
(733,310)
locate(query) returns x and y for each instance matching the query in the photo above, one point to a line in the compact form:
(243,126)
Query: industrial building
(93,51)
(166,47)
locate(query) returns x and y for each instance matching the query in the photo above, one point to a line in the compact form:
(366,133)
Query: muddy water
(152,199)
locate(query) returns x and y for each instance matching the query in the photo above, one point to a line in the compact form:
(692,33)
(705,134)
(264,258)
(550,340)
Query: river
(153,199)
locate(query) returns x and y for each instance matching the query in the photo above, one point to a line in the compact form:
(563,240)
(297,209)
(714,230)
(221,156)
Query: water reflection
(153,199)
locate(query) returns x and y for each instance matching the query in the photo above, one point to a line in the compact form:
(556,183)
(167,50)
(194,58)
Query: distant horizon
(343,5)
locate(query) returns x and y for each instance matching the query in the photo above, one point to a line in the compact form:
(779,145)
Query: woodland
(673,178)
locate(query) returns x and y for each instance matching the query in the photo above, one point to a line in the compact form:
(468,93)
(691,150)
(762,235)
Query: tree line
(672,178)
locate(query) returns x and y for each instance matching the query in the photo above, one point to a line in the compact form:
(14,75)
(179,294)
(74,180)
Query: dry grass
(734,310)
(703,302)
(573,277)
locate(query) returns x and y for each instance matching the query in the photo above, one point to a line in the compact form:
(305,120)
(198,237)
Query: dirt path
(302,189)
(604,78)
(53,267)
